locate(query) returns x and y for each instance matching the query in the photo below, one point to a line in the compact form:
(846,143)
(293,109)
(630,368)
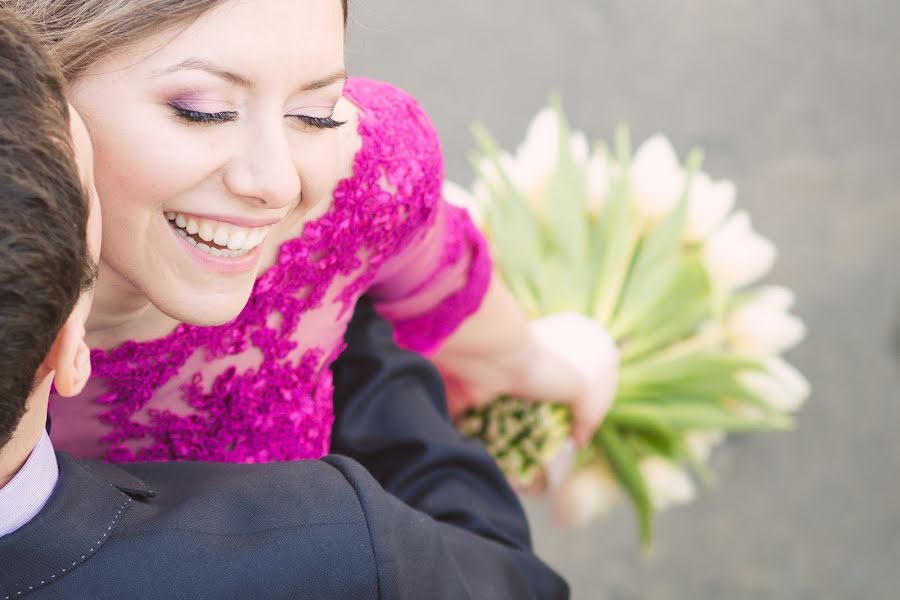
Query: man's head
(46,258)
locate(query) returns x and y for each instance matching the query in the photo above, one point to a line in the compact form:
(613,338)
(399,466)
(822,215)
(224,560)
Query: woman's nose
(265,171)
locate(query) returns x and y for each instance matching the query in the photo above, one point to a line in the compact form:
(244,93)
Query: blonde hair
(80,32)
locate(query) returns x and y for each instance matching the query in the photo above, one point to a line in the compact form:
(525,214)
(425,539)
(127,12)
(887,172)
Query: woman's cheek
(153,176)
(320,169)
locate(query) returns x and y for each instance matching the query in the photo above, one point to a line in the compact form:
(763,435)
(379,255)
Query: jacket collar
(87,505)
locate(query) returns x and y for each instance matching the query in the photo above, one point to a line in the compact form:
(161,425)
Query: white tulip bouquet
(653,252)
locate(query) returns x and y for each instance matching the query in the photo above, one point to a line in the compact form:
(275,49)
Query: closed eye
(319,122)
(196,116)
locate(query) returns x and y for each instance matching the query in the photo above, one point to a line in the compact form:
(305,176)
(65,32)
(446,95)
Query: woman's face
(208,141)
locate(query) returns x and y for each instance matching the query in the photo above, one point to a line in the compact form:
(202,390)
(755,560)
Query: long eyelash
(320,122)
(195,116)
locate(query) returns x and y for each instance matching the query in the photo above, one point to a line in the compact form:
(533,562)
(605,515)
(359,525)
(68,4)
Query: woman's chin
(210,310)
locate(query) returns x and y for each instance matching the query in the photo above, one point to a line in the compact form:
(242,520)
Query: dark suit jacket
(442,523)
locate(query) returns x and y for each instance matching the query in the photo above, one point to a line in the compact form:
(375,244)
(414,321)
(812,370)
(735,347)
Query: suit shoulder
(230,498)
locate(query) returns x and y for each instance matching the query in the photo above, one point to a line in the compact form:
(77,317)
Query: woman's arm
(433,280)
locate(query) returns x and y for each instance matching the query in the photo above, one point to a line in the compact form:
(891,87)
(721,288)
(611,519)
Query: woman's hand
(575,361)
(566,357)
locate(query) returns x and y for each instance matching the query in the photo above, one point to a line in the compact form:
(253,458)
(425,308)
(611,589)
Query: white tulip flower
(762,326)
(657,178)
(599,174)
(580,148)
(702,443)
(708,205)
(781,386)
(735,255)
(587,494)
(667,483)
(536,159)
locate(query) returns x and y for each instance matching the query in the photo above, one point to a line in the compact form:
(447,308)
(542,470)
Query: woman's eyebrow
(196,64)
(337,77)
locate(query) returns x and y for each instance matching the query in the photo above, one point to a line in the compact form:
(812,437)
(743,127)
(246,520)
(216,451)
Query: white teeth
(221,239)
(237,240)
(205,231)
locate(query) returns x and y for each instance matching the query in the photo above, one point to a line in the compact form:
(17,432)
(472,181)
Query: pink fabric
(426,314)
(259,388)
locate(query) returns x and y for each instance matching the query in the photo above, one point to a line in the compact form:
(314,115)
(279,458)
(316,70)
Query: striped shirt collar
(26,494)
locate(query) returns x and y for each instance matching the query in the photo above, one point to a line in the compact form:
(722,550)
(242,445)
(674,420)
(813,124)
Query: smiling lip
(220,264)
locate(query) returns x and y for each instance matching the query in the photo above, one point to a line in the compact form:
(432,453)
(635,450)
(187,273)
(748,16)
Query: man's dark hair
(44,260)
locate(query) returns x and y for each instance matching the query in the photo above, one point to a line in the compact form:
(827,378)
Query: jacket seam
(65,571)
(368,529)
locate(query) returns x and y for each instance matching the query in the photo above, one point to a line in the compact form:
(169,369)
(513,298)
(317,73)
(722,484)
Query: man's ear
(70,357)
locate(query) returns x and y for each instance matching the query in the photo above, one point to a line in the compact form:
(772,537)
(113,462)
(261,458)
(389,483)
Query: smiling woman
(140,119)
(250,195)
(231,191)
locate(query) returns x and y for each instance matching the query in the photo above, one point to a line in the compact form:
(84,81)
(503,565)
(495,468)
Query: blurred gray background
(797,102)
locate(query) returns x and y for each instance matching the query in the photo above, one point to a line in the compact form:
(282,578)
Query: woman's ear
(69,357)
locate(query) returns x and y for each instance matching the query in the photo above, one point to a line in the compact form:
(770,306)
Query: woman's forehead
(260,39)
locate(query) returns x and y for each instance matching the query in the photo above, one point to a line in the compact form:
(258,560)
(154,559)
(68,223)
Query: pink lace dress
(259,388)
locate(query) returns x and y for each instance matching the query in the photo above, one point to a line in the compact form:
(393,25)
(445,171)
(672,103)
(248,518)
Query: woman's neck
(120,312)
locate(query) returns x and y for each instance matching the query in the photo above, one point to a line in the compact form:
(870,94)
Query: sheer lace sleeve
(439,271)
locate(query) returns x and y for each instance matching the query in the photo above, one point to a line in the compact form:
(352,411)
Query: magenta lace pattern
(424,333)
(281,408)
